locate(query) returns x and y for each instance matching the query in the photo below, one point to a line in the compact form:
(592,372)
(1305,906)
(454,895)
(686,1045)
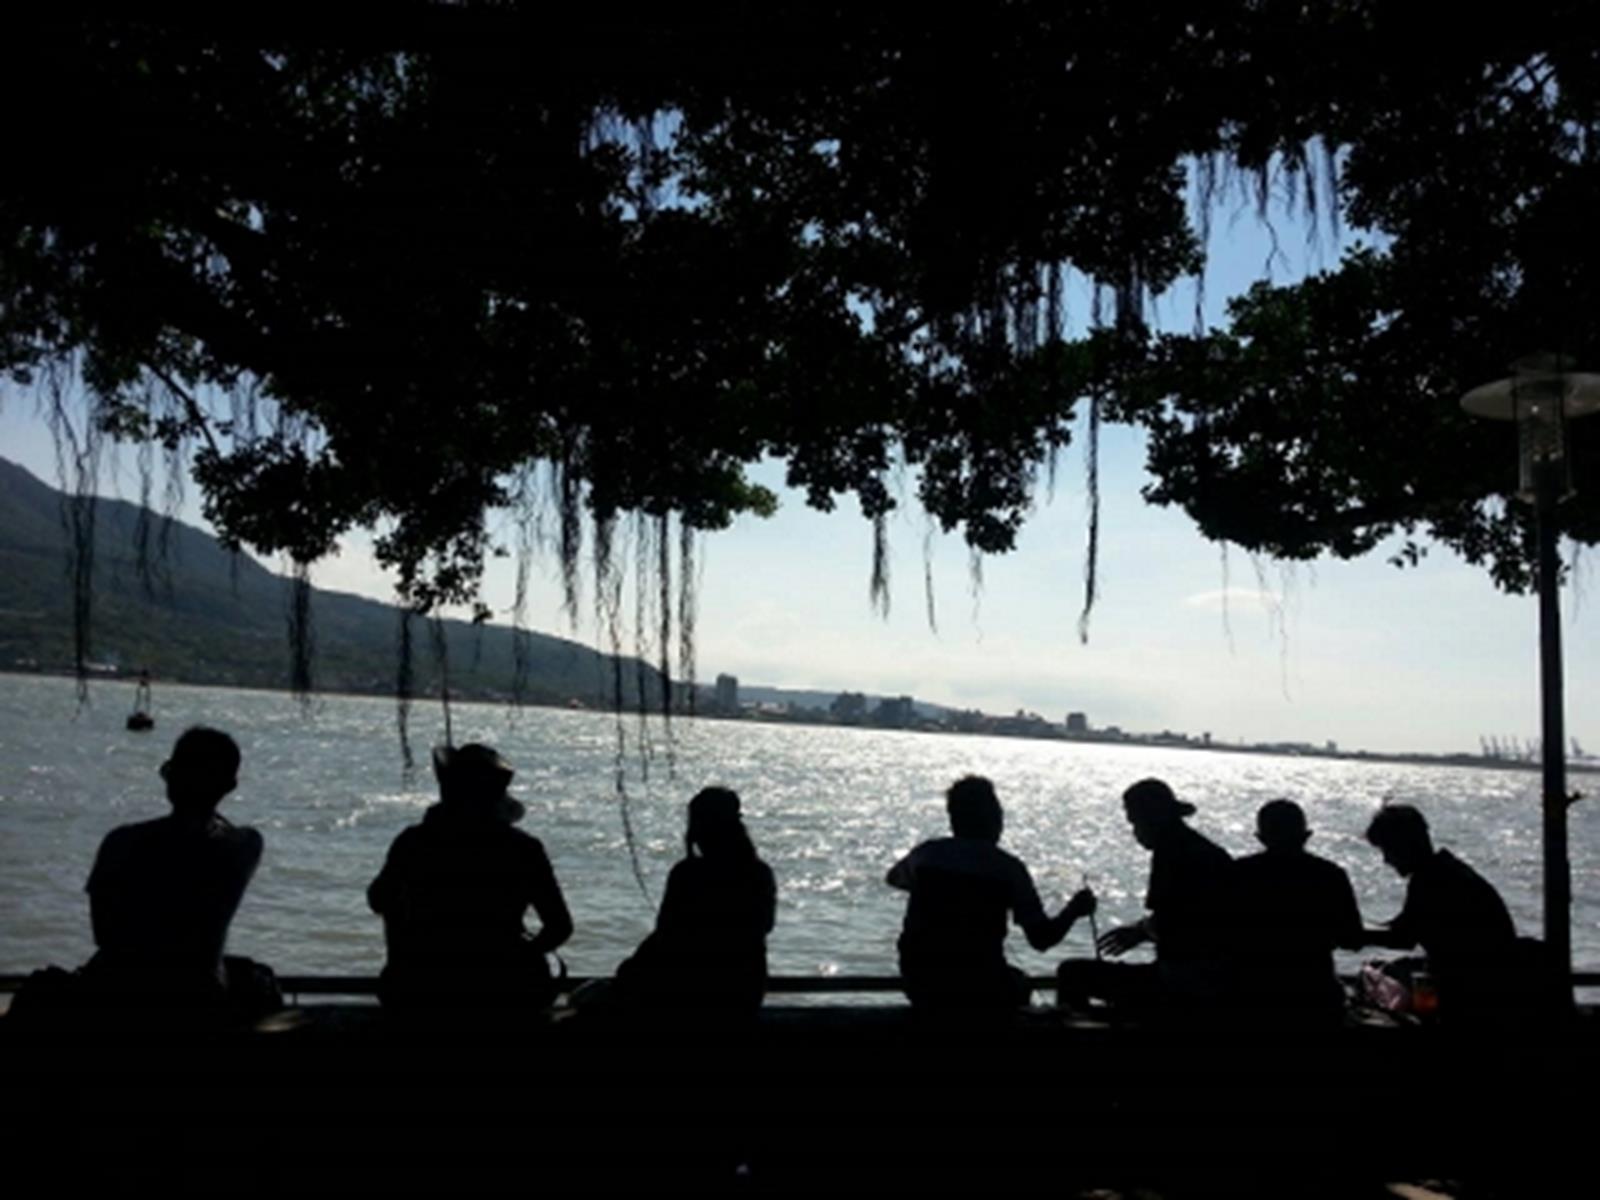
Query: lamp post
(1541,396)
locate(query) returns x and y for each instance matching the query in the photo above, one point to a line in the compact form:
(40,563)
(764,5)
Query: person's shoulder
(240,835)
(135,831)
(247,841)
(1198,846)
(1009,861)
(1445,869)
(1467,876)
(1252,864)
(525,843)
(932,848)
(1327,867)
(412,839)
(522,837)
(971,854)
(1325,878)
(137,837)
(121,844)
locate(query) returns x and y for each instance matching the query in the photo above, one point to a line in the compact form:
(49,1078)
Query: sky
(1186,635)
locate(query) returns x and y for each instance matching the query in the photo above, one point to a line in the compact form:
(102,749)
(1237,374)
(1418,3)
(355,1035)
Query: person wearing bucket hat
(455,889)
(1187,900)
(709,947)
(469,772)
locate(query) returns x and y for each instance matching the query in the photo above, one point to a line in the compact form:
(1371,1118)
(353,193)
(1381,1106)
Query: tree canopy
(396,267)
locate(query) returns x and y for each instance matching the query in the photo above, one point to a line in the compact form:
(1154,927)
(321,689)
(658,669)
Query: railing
(296,986)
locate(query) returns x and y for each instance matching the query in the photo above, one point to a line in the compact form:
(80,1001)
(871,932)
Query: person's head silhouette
(203,768)
(1153,811)
(716,831)
(974,809)
(1401,833)
(1281,826)
(475,777)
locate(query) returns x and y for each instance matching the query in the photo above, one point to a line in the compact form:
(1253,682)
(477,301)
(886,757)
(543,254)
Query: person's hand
(1117,942)
(1082,904)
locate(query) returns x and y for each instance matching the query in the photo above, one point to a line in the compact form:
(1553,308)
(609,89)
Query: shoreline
(1132,741)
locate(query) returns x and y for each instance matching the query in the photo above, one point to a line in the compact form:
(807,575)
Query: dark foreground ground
(814,1100)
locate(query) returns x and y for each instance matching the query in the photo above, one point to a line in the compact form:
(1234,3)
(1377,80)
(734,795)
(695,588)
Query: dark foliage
(448,247)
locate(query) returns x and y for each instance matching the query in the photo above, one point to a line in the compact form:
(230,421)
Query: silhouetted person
(1453,913)
(1188,899)
(709,947)
(162,893)
(453,893)
(963,888)
(1291,910)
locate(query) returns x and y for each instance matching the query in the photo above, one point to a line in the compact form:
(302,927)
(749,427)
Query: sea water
(829,808)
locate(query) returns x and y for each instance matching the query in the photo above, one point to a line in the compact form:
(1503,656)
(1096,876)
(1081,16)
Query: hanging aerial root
(302,635)
(404,685)
(441,661)
(1091,563)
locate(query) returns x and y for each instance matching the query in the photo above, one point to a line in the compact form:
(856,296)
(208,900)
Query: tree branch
(192,406)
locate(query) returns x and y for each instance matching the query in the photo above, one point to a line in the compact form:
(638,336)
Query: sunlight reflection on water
(831,809)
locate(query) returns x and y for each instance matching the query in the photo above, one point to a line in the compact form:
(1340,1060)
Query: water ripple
(831,809)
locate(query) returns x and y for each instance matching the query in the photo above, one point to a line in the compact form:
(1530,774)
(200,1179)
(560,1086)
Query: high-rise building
(849,707)
(1077,722)
(895,714)
(727,693)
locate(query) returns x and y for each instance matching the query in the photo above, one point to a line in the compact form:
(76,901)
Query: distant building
(971,721)
(849,708)
(727,698)
(895,714)
(1077,722)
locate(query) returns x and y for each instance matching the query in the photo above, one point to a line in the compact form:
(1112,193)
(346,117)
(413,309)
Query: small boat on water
(140,720)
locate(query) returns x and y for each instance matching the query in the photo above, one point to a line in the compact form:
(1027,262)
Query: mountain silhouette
(190,610)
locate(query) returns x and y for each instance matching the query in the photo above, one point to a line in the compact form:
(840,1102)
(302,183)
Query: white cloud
(1236,597)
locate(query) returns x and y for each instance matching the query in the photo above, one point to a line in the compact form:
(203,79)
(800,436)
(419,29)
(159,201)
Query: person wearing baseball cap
(1188,901)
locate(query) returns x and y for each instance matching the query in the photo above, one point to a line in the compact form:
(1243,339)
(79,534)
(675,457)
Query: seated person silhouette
(963,888)
(1187,898)
(163,892)
(1291,909)
(1454,914)
(453,893)
(709,947)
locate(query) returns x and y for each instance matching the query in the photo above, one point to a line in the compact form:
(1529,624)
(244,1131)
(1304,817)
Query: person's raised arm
(1044,933)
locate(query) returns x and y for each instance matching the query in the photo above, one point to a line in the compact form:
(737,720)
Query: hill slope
(202,615)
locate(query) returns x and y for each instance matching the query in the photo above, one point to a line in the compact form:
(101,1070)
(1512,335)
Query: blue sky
(1184,637)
